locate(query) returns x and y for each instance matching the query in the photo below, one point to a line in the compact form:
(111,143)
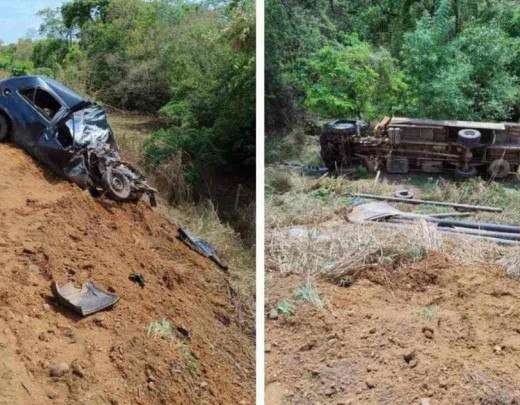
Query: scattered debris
(201,246)
(85,301)
(466,207)
(311,170)
(376,211)
(404,193)
(137,278)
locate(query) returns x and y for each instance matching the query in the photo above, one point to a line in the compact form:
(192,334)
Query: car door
(48,143)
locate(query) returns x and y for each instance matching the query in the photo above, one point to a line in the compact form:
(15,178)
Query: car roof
(68,96)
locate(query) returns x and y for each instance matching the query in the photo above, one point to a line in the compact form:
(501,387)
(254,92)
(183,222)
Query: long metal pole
(466,207)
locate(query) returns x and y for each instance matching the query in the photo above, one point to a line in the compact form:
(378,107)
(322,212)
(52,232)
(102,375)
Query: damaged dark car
(69,134)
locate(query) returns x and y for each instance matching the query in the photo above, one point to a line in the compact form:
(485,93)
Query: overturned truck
(69,134)
(402,145)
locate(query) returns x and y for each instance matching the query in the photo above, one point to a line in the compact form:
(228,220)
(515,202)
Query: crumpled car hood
(89,127)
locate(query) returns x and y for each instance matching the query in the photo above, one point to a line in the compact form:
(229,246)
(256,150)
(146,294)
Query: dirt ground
(431,332)
(50,230)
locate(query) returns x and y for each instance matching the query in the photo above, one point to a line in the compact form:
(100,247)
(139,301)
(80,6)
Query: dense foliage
(192,62)
(424,58)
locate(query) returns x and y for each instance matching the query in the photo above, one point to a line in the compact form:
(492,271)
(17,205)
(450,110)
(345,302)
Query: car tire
(4,128)
(117,185)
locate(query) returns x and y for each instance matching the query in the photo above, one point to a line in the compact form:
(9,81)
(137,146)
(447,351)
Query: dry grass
(511,264)
(307,232)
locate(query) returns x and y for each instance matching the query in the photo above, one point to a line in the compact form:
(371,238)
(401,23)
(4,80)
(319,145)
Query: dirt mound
(434,330)
(50,230)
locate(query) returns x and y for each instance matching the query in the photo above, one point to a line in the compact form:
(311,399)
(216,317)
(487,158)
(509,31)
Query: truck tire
(334,142)
(499,169)
(469,137)
(465,174)
(4,128)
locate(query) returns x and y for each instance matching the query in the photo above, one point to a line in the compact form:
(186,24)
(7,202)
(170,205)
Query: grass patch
(308,293)
(278,182)
(162,329)
(429,313)
(191,362)
(285,309)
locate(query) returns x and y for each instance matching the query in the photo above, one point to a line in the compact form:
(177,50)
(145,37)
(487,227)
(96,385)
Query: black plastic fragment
(201,246)
(137,278)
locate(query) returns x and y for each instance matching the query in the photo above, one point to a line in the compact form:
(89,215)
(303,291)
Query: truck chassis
(401,145)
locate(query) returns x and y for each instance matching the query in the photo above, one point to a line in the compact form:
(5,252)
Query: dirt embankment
(432,332)
(51,230)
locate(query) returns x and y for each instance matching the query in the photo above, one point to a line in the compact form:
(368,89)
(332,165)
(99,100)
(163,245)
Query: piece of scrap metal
(201,246)
(465,207)
(372,211)
(380,210)
(85,301)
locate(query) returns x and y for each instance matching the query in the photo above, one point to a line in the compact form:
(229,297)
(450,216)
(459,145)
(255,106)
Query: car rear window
(44,102)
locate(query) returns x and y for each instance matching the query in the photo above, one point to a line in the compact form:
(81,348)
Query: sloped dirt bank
(435,331)
(51,230)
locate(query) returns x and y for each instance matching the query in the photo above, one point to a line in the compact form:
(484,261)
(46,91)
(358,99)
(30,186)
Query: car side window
(44,102)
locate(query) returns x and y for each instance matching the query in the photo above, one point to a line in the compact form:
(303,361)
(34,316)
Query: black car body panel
(53,123)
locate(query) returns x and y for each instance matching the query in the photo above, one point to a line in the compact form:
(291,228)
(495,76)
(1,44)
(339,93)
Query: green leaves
(353,80)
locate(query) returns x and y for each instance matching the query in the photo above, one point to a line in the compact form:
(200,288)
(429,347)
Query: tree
(353,80)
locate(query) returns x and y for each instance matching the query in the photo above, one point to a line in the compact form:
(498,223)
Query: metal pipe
(466,207)
(447,231)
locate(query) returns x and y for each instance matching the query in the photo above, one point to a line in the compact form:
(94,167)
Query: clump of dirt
(50,230)
(434,330)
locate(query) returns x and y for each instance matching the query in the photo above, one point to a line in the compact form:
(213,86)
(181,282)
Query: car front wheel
(4,128)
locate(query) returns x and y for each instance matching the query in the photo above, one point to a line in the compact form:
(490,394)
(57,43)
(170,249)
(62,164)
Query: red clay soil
(433,331)
(50,230)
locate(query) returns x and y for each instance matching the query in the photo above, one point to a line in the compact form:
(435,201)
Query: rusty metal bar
(466,207)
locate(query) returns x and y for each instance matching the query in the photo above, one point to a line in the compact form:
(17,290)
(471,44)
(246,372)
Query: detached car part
(69,134)
(201,246)
(85,301)
(402,145)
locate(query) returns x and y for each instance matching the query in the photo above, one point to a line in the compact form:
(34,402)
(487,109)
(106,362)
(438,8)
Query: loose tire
(499,169)
(117,185)
(4,128)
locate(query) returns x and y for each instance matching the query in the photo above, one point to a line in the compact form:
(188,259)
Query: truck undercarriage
(403,145)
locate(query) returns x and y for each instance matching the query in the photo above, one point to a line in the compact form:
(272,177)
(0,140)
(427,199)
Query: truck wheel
(499,168)
(4,128)
(466,173)
(469,137)
(117,185)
